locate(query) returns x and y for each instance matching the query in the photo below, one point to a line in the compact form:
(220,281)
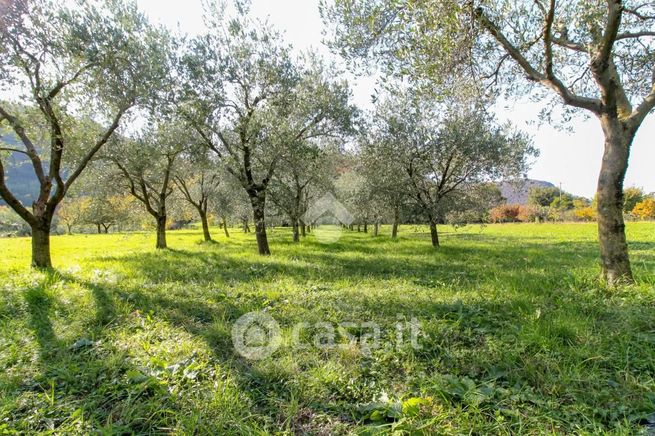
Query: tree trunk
(434,234)
(365,227)
(205,225)
(161,232)
(41,245)
(99,230)
(615,261)
(106,227)
(359,228)
(296,231)
(303,229)
(396,221)
(227,234)
(376,228)
(69,229)
(258,204)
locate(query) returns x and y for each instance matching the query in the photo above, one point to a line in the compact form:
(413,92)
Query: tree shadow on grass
(475,339)
(479,338)
(85,383)
(529,262)
(39,305)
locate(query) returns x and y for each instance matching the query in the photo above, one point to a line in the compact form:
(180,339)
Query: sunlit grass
(518,334)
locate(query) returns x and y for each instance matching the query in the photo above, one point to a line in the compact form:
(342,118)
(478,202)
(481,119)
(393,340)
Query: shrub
(506,213)
(631,197)
(645,209)
(532,213)
(587,213)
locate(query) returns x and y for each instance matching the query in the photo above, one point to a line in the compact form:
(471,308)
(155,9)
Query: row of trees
(233,100)
(109,209)
(229,110)
(234,107)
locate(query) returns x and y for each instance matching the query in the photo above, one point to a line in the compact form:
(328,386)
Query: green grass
(517,335)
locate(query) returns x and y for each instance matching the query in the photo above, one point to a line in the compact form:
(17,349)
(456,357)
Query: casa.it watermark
(329,215)
(257,335)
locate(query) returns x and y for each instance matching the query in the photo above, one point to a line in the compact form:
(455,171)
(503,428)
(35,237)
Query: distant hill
(19,173)
(516,192)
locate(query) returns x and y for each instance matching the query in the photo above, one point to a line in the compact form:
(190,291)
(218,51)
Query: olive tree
(106,210)
(252,103)
(147,164)
(303,174)
(198,180)
(72,211)
(379,166)
(74,73)
(227,201)
(596,57)
(443,151)
(108,202)
(354,191)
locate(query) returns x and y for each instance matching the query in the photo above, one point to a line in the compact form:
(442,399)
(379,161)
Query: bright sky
(570,158)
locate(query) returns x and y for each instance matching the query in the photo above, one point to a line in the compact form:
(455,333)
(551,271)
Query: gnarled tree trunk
(227,233)
(258,207)
(396,222)
(205,224)
(296,230)
(41,244)
(615,261)
(434,235)
(161,232)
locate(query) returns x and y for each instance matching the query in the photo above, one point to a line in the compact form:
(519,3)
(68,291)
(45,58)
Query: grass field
(516,334)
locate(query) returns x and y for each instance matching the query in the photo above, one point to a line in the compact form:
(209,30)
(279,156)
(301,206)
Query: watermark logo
(256,335)
(329,214)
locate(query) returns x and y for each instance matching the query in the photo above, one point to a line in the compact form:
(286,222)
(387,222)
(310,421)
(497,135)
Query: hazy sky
(570,158)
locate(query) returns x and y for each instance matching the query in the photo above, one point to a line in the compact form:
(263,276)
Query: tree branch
(614,9)
(12,201)
(15,150)
(628,35)
(567,43)
(102,141)
(62,83)
(635,12)
(591,104)
(643,109)
(29,146)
